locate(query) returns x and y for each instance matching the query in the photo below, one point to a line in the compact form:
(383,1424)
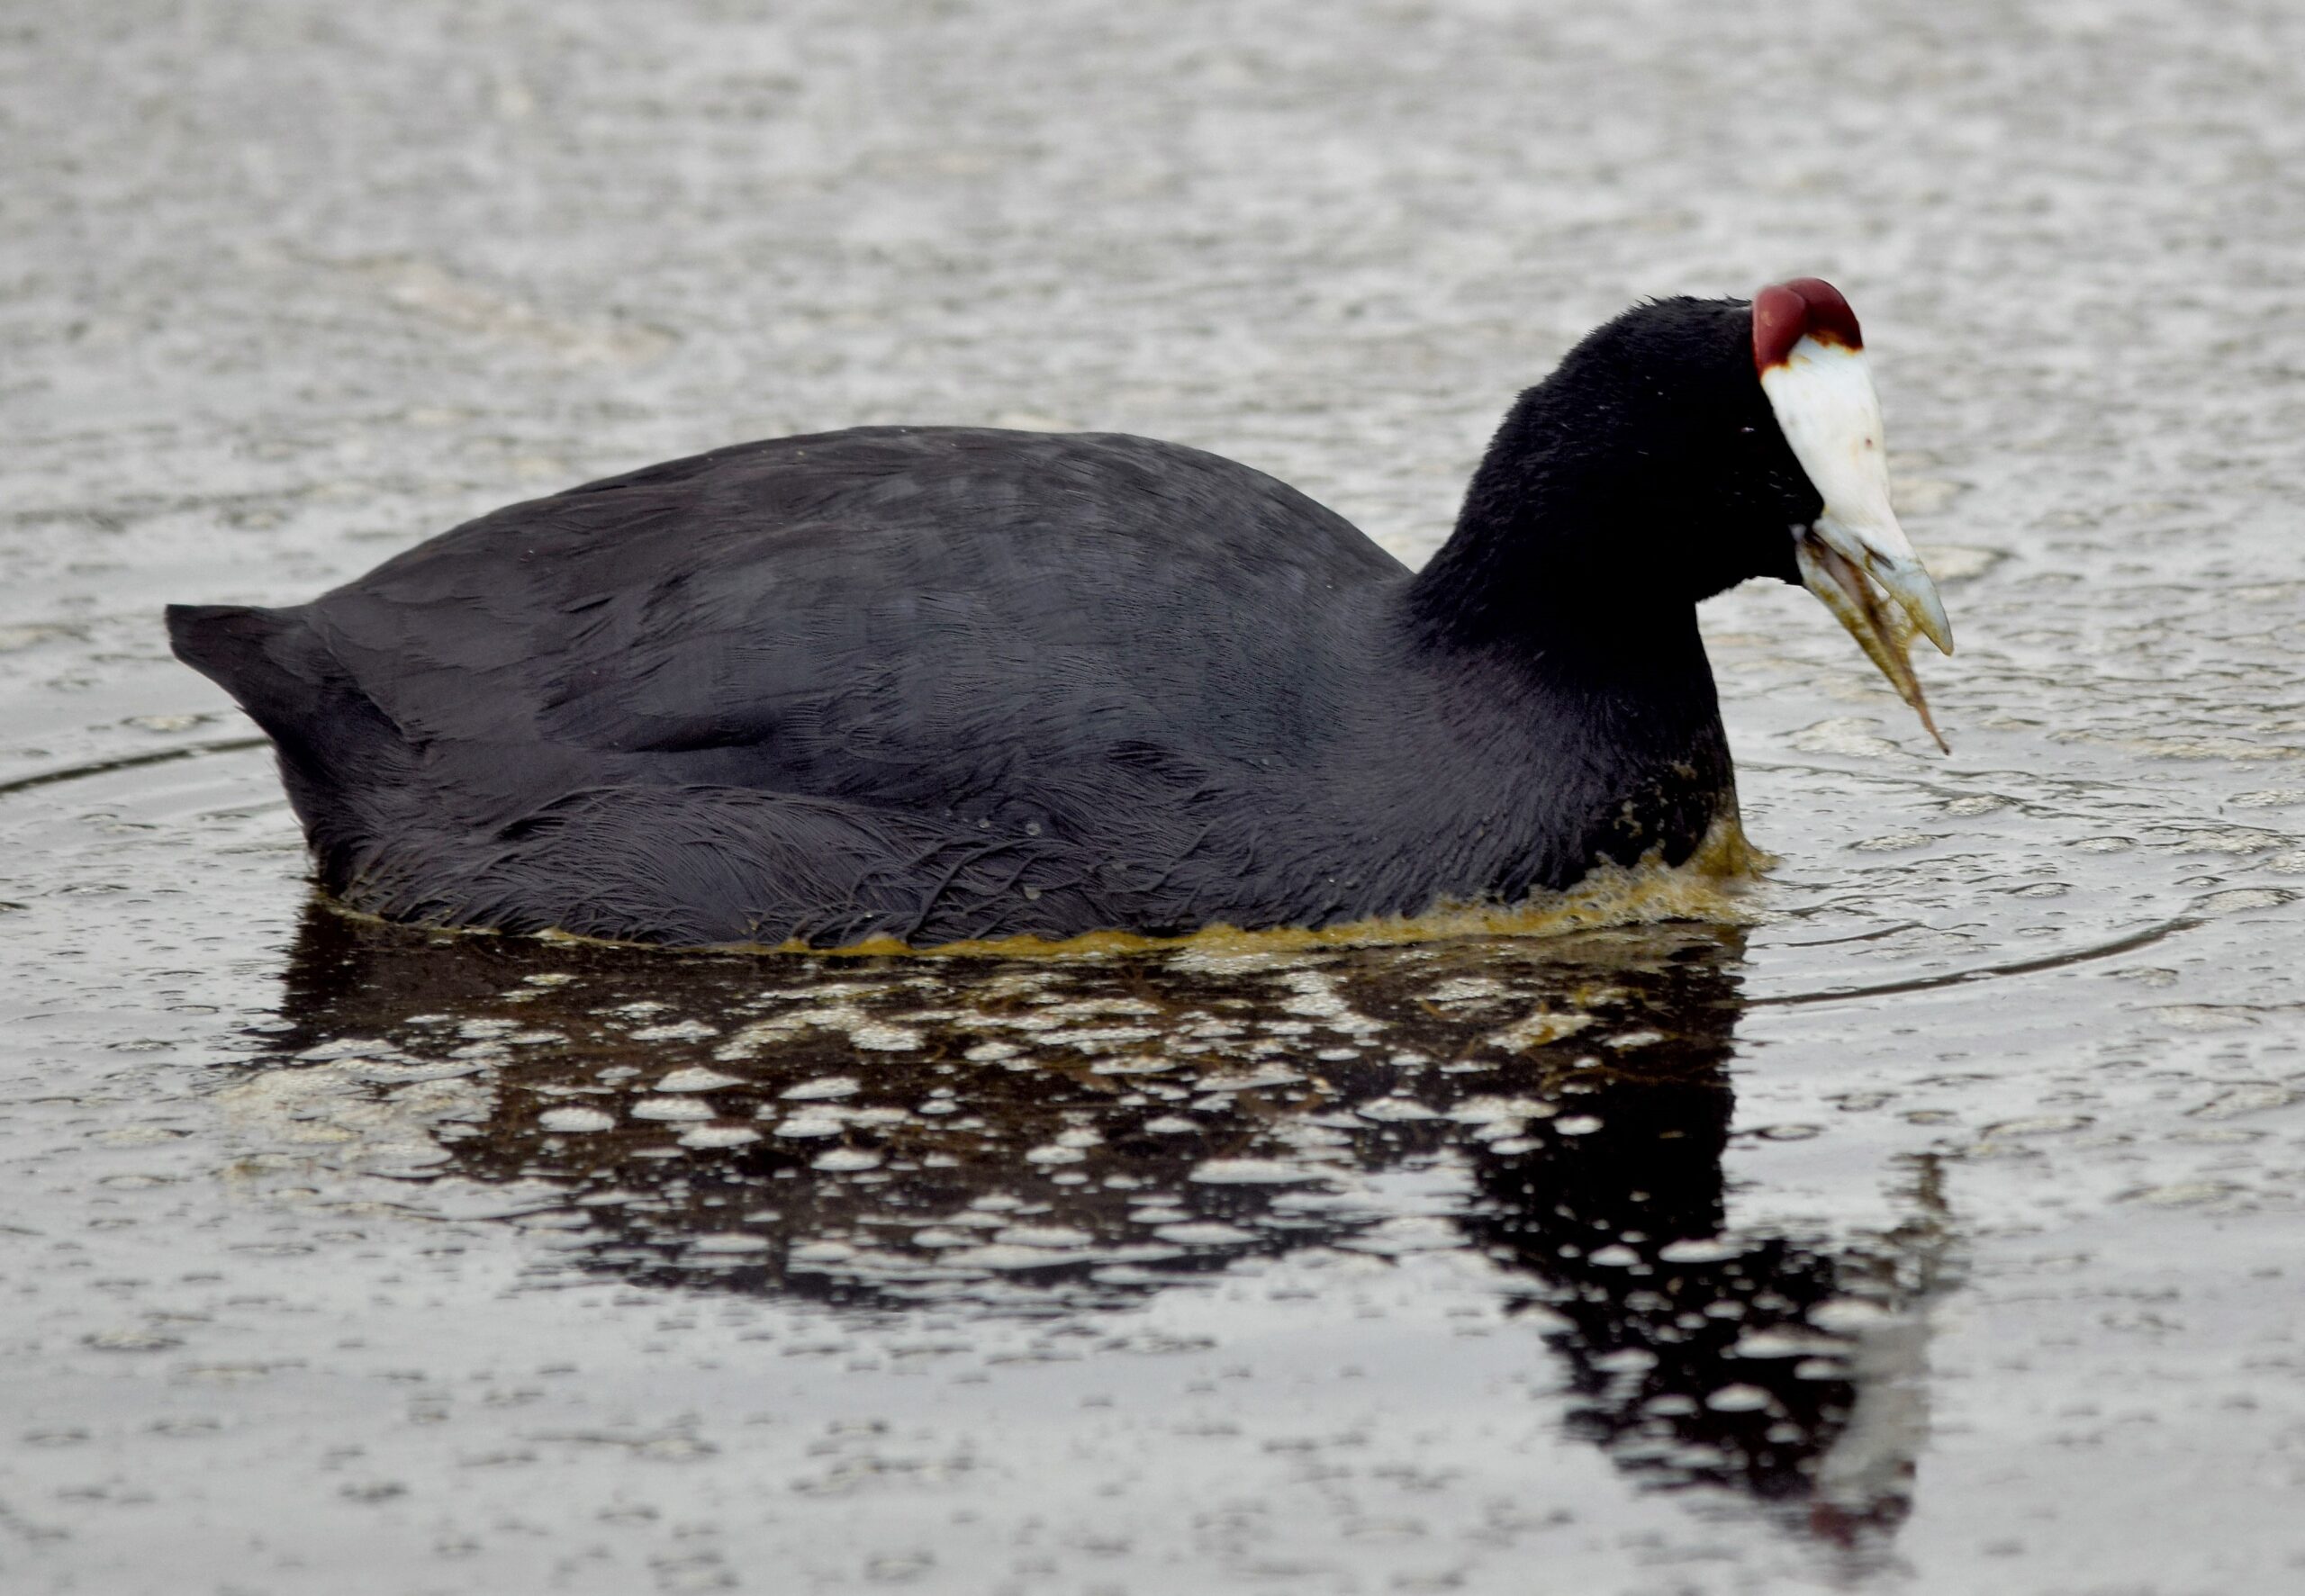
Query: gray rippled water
(1935,1226)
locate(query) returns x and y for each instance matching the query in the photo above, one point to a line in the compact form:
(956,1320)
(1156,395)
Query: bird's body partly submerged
(937,685)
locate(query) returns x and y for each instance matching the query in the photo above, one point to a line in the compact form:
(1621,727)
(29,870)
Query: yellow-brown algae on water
(1706,885)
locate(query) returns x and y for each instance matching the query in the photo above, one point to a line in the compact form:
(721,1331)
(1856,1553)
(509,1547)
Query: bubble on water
(356,1047)
(1042,1236)
(2204,1017)
(1003,1256)
(1203,1233)
(677,1031)
(1853,736)
(1227,1084)
(696,1079)
(1895,842)
(575,1122)
(1848,1316)
(821,1252)
(2046,1124)
(2243,898)
(860,1028)
(672,1108)
(844,1161)
(1785,1342)
(824,1088)
(1700,1251)
(1249,1171)
(809,1123)
(1738,1398)
(1394,1111)
(1314,993)
(1541,1029)
(1489,1109)
(703,1137)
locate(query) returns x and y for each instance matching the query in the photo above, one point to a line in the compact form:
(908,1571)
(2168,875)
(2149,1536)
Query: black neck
(1555,550)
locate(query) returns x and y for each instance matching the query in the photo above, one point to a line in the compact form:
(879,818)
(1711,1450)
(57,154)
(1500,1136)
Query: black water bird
(936,684)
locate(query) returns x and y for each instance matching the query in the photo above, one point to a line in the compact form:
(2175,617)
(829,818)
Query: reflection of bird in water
(932,684)
(1050,1135)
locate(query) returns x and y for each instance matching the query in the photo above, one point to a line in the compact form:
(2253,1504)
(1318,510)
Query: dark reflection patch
(1051,1138)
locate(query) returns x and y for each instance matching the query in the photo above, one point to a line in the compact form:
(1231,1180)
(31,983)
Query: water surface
(1931,1223)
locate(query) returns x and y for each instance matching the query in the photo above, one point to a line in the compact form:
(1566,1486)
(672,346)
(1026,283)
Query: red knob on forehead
(1783,312)
(1780,316)
(1830,320)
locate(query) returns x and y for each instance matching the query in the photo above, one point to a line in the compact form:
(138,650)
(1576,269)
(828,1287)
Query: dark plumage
(944,683)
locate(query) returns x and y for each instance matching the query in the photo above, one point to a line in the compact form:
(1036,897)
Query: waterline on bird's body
(1710,884)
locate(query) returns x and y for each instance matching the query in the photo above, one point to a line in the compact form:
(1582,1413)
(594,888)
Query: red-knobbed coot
(938,685)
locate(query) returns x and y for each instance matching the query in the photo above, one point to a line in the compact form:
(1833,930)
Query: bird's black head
(1711,470)
(1685,446)
(1649,462)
